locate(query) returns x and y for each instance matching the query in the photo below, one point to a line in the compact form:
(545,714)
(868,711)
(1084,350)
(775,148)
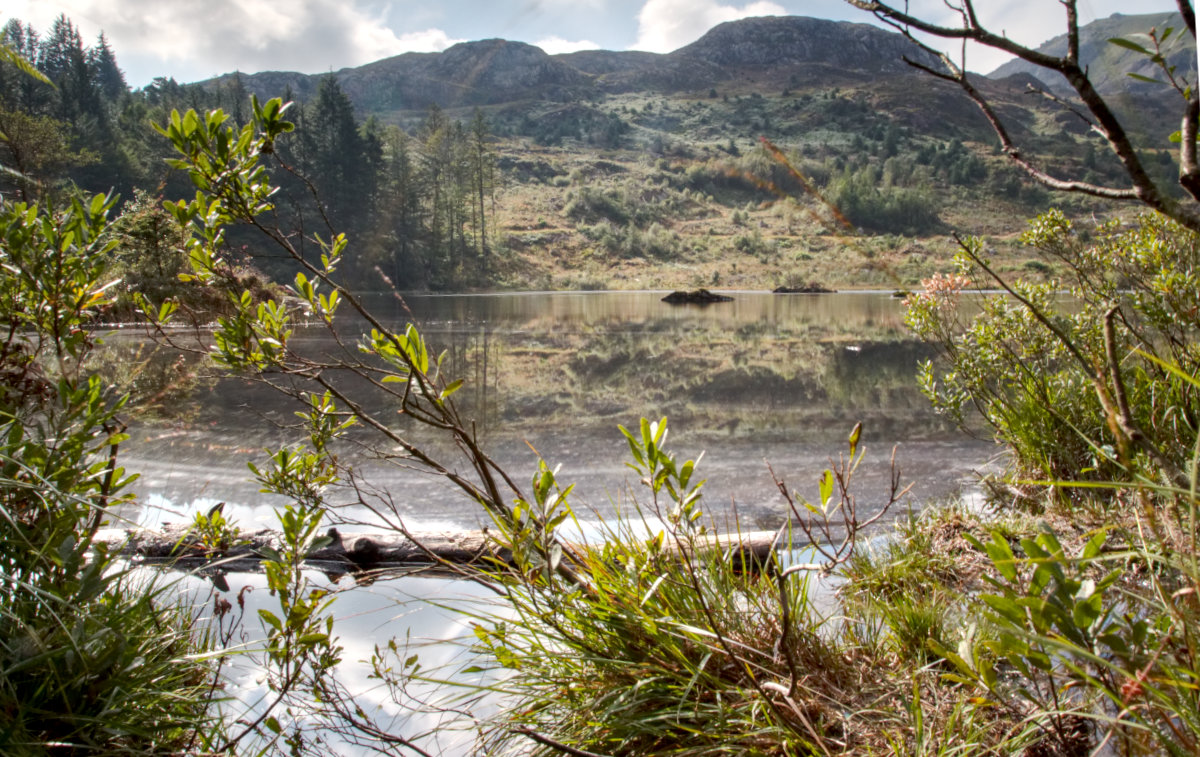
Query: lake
(765,378)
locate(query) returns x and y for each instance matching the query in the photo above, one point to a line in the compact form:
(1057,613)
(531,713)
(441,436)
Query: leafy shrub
(632,242)
(1077,387)
(1097,397)
(861,197)
(652,654)
(90,656)
(590,205)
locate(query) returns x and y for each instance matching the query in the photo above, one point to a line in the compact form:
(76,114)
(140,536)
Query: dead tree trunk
(369,551)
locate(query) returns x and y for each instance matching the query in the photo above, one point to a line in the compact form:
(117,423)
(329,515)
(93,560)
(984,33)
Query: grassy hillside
(635,170)
(688,196)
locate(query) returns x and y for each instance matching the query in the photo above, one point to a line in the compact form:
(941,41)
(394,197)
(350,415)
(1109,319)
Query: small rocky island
(810,288)
(697,297)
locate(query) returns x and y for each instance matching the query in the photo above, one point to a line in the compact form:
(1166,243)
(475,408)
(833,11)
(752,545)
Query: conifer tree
(109,79)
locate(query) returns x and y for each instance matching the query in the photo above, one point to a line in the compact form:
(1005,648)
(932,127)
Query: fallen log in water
(370,551)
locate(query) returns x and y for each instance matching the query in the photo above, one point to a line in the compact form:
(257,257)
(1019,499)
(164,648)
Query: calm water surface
(777,379)
(767,378)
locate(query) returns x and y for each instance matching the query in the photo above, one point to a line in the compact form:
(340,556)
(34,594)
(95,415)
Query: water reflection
(767,377)
(429,619)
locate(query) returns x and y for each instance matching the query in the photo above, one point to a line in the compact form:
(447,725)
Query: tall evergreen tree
(483,170)
(109,79)
(399,215)
(59,50)
(18,91)
(342,164)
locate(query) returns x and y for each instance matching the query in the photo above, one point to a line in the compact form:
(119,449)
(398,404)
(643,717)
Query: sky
(192,40)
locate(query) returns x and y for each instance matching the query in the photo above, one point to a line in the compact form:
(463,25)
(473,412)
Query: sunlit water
(778,379)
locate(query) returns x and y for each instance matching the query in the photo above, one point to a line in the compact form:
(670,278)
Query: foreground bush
(1084,376)
(1096,395)
(93,660)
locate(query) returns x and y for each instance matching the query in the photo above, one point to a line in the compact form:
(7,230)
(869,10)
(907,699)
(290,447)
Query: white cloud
(426,41)
(666,25)
(217,36)
(557,45)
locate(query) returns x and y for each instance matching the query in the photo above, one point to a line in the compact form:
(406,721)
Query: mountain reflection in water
(766,378)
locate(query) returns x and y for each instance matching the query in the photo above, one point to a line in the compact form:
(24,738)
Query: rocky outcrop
(697,297)
(790,40)
(811,288)
(487,72)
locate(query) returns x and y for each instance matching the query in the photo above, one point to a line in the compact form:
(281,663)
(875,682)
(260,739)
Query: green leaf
(451,388)
(854,436)
(271,619)
(1007,608)
(310,639)
(1094,545)
(825,485)
(1002,556)
(1129,45)
(1085,613)
(1147,79)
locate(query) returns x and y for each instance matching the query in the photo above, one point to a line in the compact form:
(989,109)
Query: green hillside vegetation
(628,178)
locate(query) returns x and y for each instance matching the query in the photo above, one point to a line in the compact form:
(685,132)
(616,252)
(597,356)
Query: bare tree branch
(1189,16)
(1142,187)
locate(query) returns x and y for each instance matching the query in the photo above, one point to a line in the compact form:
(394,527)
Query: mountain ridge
(795,49)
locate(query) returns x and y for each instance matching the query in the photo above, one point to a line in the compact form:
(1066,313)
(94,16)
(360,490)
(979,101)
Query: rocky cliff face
(471,73)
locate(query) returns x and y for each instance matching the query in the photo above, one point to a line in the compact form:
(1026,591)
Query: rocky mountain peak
(791,40)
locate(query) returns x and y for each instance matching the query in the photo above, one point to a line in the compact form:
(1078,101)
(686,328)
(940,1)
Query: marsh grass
(94,658)
(663,655)
(657,644)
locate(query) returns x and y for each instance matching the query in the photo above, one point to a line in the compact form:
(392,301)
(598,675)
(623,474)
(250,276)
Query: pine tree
(483,168)
(108,77)
(400,212)
(340,161)
(17,90)
(59,51)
